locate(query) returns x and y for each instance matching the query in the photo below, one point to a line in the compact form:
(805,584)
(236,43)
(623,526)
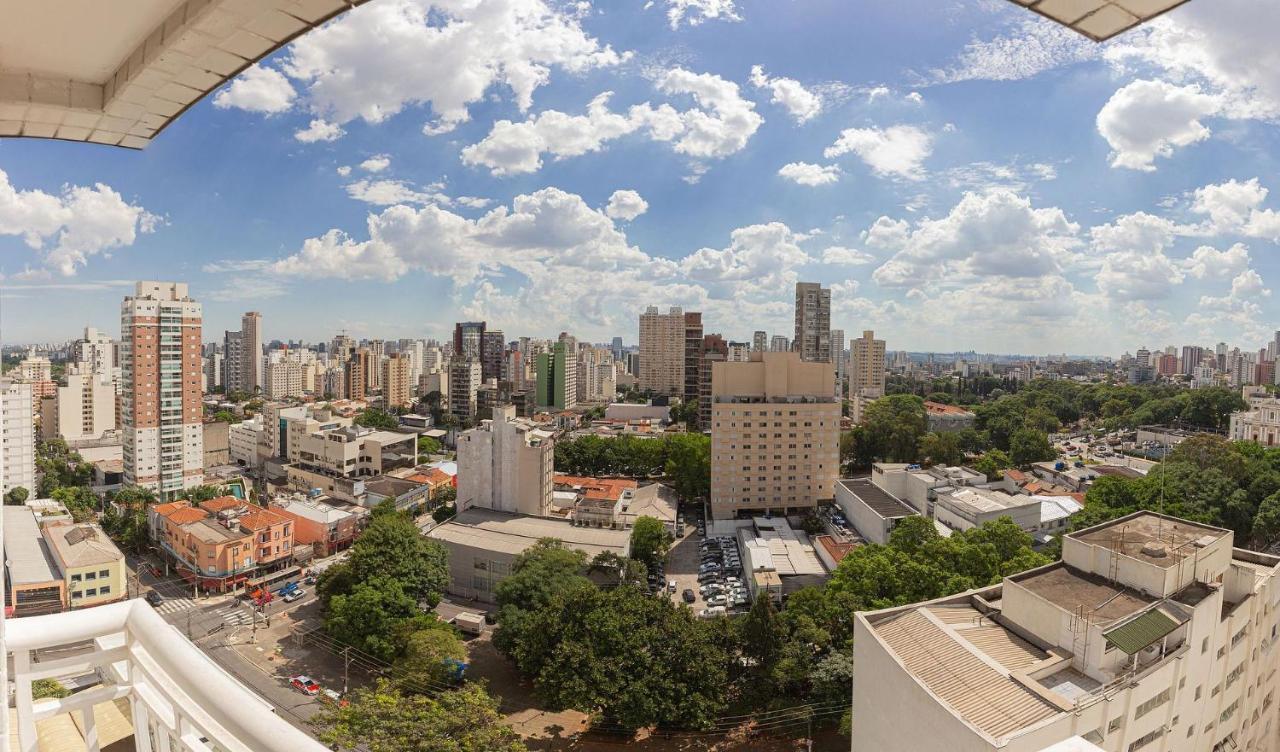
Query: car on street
(294,595)
(154,598)
(305,684)
(688,596)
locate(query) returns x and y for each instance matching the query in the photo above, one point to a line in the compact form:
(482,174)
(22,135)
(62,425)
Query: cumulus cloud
(841,256)
(695,12)
(1235,208)
(720,125)
(258,89)
(626,205)
(389,192)
(343,171)
(66,229)
(805,173)
(376,163)
(382,57)
(319,130)
(898,151)
(1132,275)
(1207,262)
(1149,119)
(802,104)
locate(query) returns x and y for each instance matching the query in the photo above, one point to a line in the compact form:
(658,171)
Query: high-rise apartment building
(161,408)
(95,352)
(839,358)
(739,352)
(779,343)
(284,378)
(17,438)
(213,370)
(373,374)
(1191,357)
(82,408)
(692,356)
(813,322)
(232,357)
(1151,634)
(866,366)
(397,382)
(760,341)
(492,345)
(251,375)
(775,427)
(714,350)
(464,384)
(557,382)
(340,349)
(356,382)
(662,350)
(506,464)
(616,349)
(468,338)
(597,376)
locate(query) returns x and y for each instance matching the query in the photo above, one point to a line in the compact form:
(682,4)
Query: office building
(492,346)
(779,343)
(82,408)
(506,465)
(17,438)
(232,357)
(464,383)
(774,435)
(213,370)
(813,323)
(557,379)
(1152,633)
(161,401)
(662,350)
(397,384)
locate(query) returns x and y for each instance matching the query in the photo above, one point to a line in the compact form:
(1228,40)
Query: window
(1152,704)
(91,575)
(104,590)
(90,592)
(1115,724)
(1199,691)
(75,578)
(1146,739)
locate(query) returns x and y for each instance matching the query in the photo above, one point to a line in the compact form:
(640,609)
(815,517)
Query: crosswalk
(174,605)
(233,614)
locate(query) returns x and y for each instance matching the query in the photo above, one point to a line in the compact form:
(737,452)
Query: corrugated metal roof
(1141,631)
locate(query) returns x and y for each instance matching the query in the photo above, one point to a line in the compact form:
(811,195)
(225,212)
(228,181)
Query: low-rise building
(944,418)
(967,508)
(1151,633)
(777,560)
(91,565)
(222,542)
(326,527)
(506,464)
(483,543)
(873,511)
(918,485)
(33,583)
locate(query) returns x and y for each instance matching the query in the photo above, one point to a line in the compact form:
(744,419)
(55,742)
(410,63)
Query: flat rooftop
(877,499)
(1072,590)
(26,554)
(1131,535)
(502,532)
(982,501)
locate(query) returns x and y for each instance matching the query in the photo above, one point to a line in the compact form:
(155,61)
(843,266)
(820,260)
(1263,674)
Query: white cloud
(719,126)
(626,205)
(997,234)
(1149,119)
(344,171)
(1139,232)
(695,12)
(805,173)
(1207,262)
(258,89)
(69,228)
(1234,208)
(1134,275)
(389,192)
(897,151)
(1033,46)
(383,57)
(319,130)
(988,176)
(841,256)
(376,163)
(802,104)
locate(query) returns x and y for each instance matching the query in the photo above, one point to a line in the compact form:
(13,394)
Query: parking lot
(683,564)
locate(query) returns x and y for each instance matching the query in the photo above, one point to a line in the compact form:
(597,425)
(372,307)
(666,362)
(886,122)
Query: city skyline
(1126,202)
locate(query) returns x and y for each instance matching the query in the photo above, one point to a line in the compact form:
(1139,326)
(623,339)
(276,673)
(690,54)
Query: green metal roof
(1136,634)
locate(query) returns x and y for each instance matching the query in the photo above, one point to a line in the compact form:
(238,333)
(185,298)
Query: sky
(961,173)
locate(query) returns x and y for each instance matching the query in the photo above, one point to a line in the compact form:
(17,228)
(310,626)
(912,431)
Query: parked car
(293,595)
(305,684)
(713,611)
(688,596)
(154,598)
(717,600)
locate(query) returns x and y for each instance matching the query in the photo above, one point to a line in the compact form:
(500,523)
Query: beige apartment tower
(866,366)
(662,351)
(813,322)
(161,409)
(775,435)
(396,382)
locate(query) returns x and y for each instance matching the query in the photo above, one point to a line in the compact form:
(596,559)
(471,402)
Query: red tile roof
(834,548)
(186,515)
(609,489)
(942,408)
(213,506)
(262,518)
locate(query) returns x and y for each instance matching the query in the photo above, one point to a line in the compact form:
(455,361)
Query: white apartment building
(285,378)
(83,408)
(34,368)
(866,366)
(506,465)
(243,439)
(17,438)
(596,376)
(95,352)
(662,350)
(1260,422)
(161,399)
(1152,633)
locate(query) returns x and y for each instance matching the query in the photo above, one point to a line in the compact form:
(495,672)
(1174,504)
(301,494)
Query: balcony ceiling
(1100,20)
(117,73)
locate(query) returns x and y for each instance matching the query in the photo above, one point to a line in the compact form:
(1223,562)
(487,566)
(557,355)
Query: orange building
(326,528)
(272,535)
(223,541)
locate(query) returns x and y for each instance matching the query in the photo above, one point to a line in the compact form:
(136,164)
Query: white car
(713,611)
(717,600)
(671,586)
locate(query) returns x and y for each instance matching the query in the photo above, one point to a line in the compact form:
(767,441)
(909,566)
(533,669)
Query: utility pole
(346,664)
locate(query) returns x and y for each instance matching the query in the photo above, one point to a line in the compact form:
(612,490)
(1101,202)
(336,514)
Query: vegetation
(17,496)
(686,412)
(376,418)
(684,458)
(60,467)
(428,445)
(225,416)
(48,688)
(650,542)
(384,719)
(125,518)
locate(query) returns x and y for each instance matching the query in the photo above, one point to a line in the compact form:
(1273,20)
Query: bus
(262,589)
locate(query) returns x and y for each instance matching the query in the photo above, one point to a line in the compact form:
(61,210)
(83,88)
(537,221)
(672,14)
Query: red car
(306,685)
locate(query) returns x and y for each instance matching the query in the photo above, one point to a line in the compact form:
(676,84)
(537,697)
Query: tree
(393,546)
(650,541)
(689,464)
(1028,445)
(686,412)
(48,688)
(17,496)
(541,573)
(226,416)
(78,500)
(382,719)
(991,463)
(1266,523)
(376,418)
(895,424)
(636,660)
(427,656)
(941,448)
(428,445)
(367,618)
(762,634)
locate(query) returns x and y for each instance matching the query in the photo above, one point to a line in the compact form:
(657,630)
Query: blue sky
(963,174)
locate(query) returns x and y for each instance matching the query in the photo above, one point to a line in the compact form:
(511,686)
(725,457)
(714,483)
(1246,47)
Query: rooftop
(880,501)
(26,554)
(1134,535)
(1071,590)
(209,531)
(261,518)
(513,533)
(982,500)
(80,545)
(939,408)
(310,509)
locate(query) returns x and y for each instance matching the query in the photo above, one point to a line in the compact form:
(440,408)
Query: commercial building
(778,560)
(967,508)
(1151,633)
(484,543)
(468,340)
(774,435)
(221,542)
(506,464)
(33,584)
(17,438)
(322,453)
(397,386)
(557,383)
(873,511)
(161,400)
(662,351)
(492,346)
(243,440)
(813,323)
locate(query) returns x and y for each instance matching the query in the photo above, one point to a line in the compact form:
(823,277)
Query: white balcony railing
(180,699)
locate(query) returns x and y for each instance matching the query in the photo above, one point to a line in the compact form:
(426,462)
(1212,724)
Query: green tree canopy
(689,464)
(376,418)
(941,448)
(17,496)
(393,546)
(423,661)
(650,541)
(895,425)
(367,618)
(541,573)
(1027,445)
